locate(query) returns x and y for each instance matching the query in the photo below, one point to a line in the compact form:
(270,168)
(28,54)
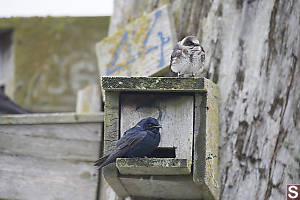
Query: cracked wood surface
(253,50)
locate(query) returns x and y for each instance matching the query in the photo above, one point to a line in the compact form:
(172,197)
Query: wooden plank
(174,112)
(89,100)
(51,118)
(49,161)
(106,192)
(77,142)
(212,137)
(111,135)
(28,177)
(199,138)
(206,137)
(142,48)
(158,84)
(153,166)
(164,187)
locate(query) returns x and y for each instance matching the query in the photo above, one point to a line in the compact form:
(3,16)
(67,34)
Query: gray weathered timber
(111,120)
(51,118)
(180,187)
(111,128)
(30,177)
(141,48)
(174,113)
(153,166)
(199,139)
(105,191)
(89,99)
(49,159)
(212,137)
(76,142)
(206,159)
(125,106)
(159,84)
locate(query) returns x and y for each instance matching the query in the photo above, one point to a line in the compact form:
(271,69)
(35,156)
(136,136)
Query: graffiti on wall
(142,48)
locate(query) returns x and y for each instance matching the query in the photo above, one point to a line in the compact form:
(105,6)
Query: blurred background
(48,50)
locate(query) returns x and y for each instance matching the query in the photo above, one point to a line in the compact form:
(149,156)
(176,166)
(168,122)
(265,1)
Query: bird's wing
(123,145)
(203,56)
(176,52)
(100,160)
(130,131)
(175,62)
(131,140)
(110,158)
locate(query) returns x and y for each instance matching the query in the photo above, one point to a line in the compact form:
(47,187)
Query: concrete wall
(53,58)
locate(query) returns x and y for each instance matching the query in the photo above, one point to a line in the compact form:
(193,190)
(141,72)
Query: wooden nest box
(185,165)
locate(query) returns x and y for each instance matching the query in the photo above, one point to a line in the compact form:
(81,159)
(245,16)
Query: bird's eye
(151,125)
(189,43)
(196,43)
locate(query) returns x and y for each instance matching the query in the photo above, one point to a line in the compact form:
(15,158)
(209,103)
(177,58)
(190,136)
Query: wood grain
(49,161)
(174,113)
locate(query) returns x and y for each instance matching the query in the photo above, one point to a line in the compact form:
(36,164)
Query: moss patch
(161,84)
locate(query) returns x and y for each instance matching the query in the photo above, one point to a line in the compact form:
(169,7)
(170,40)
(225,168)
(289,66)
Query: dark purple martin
(188,57)
(139,141)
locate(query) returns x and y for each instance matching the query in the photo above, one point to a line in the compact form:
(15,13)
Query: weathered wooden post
(185,165)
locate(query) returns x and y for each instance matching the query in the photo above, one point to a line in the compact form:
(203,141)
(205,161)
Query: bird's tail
(101,162)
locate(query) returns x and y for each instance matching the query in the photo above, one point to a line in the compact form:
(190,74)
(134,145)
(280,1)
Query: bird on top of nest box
(139,141)
(187,59)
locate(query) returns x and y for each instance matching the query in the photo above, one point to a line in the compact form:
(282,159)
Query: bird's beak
(158,126)
(196,43)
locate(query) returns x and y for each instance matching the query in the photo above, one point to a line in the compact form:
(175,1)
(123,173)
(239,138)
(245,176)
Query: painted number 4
(293,191)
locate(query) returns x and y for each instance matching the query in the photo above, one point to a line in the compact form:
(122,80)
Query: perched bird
(187,58)
(139,141)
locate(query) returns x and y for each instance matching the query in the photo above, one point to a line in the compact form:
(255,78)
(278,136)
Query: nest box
(185,165)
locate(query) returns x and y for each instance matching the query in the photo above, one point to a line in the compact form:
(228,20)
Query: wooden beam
(51,118)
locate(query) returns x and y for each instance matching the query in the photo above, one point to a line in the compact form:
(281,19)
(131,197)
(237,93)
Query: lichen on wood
(162,84)
(153,166)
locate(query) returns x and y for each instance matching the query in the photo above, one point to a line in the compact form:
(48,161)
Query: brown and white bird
(187,59)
